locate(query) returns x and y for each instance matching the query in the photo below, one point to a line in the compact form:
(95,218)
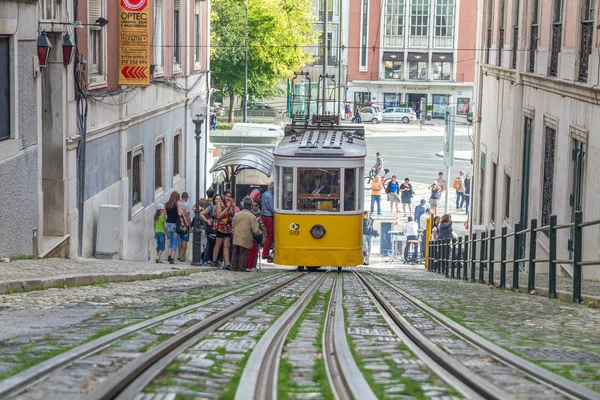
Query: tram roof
(322,141)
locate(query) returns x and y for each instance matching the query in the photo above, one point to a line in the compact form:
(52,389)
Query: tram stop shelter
(234,162)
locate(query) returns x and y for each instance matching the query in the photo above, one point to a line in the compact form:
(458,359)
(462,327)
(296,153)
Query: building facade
(537,104)
(402,51)
(108,145)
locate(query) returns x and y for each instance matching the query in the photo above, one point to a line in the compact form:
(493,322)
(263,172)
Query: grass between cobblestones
(28,357)
(320,371)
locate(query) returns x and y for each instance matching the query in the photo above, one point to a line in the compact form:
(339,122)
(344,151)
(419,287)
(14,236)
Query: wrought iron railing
(459,259)
(533,42)
(556,44)
(514,47)
(488,45)
(500,46)
(587,35)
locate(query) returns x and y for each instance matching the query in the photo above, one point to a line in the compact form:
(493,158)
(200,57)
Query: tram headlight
(317,231)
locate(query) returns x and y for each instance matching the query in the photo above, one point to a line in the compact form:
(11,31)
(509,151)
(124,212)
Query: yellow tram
(319,194)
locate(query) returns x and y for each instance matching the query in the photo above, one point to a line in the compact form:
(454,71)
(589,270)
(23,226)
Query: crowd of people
(231,238)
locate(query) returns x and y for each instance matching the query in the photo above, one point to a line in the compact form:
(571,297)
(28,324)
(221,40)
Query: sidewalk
(28,275)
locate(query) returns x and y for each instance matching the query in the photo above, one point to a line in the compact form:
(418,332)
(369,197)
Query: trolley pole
(448,151)
(325,9)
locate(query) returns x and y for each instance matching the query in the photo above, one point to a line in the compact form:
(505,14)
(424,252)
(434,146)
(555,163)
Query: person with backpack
(459,186)
(208,219)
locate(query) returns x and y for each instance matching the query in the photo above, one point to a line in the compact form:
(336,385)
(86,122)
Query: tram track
(458,371)
(24,380)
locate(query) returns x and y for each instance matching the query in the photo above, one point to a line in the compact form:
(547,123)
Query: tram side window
(318,189)
(350,189)
(287,190)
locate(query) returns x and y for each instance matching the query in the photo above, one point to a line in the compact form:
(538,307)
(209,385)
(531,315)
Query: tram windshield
(318,189)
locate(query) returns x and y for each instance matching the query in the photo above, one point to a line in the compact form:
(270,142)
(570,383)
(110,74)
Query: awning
(243,158)
(423,57)
(393,56)
(442,57)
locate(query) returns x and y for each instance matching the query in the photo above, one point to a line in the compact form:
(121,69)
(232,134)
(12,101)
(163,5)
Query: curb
(28,285)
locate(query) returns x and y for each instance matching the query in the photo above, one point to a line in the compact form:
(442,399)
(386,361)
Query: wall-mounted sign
(134,42)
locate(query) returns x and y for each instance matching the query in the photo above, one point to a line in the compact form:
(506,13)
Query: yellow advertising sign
(134,42)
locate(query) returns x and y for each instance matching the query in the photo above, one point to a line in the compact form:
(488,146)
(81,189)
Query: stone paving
(28,275)
(559,335)
(38,325)
(390,368)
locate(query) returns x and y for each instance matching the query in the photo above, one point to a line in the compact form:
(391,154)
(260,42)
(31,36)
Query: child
(160,231)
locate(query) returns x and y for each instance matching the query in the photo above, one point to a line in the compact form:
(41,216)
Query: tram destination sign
(134,42)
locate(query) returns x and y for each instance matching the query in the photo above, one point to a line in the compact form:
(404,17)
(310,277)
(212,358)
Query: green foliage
(225,126)
(277,33)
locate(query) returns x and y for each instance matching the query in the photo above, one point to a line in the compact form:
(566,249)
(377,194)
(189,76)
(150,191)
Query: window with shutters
(197,36)
(158,47)
(136,180)
(96,52)
(5,103)
(176,36)
(176,153)
(50,10)
(159,166)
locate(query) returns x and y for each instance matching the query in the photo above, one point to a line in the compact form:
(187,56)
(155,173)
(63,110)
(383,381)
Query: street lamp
(67,47)
(198,111)
(44,47)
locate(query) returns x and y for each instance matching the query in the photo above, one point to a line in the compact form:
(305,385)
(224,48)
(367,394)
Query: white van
(258,129)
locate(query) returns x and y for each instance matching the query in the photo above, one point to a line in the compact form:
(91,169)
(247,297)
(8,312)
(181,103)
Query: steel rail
(259,379)
(115,384)
(346,380)
(481,386)
(19,382)
(542,375)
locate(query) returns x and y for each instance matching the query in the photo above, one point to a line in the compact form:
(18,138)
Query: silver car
(399,114)
(371,113)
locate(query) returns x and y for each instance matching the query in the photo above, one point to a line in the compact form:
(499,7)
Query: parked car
(370,113)
(397,114)
(261,110)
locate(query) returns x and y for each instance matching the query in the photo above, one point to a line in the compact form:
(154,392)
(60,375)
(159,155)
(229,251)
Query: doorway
(414,101)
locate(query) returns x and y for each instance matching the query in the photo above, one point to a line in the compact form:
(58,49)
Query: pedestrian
(420,210)
(197,210)
(225,211)
(174,211)
(423,225)
(435,197)
(357,117)
(244,226)
(407,193)
(376,188)
(213,121)
(367,236)
(435,228)
(378,167)
(347,111)
(392,190)
(208,219)
(160,231)
(445,228)
(258,238)
(184,238)
(459,186)
(268,212)
(411,232)
(441,182)
(467,193)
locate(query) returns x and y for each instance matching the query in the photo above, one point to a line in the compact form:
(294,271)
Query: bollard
(491,257)
(482,256)
(532,251)
(473,256)
(459,258)
(466,257)
(446,257)
(552,259)
(516,252)
(503,258)
(577,249)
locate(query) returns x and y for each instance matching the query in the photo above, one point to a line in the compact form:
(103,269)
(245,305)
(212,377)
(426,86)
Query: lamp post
(44,47)
(245,110)
(198,111)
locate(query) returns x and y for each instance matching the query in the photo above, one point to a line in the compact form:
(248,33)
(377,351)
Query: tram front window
(318,189)
(287,191)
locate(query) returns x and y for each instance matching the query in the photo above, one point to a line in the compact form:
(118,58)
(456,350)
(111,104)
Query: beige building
(537,119)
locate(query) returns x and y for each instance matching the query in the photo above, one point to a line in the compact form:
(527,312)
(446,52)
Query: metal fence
(458,259)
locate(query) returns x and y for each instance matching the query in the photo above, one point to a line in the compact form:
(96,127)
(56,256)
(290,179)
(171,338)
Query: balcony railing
(587,35)
(432,77)
(443,41)
(500,46)
(331,61)
(393,40)
(514,47)
(418,41)
(533,42)
(556,44)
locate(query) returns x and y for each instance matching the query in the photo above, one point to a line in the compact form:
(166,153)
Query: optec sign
(134,43)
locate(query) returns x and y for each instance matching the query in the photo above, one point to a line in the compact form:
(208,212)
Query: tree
(277,33)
